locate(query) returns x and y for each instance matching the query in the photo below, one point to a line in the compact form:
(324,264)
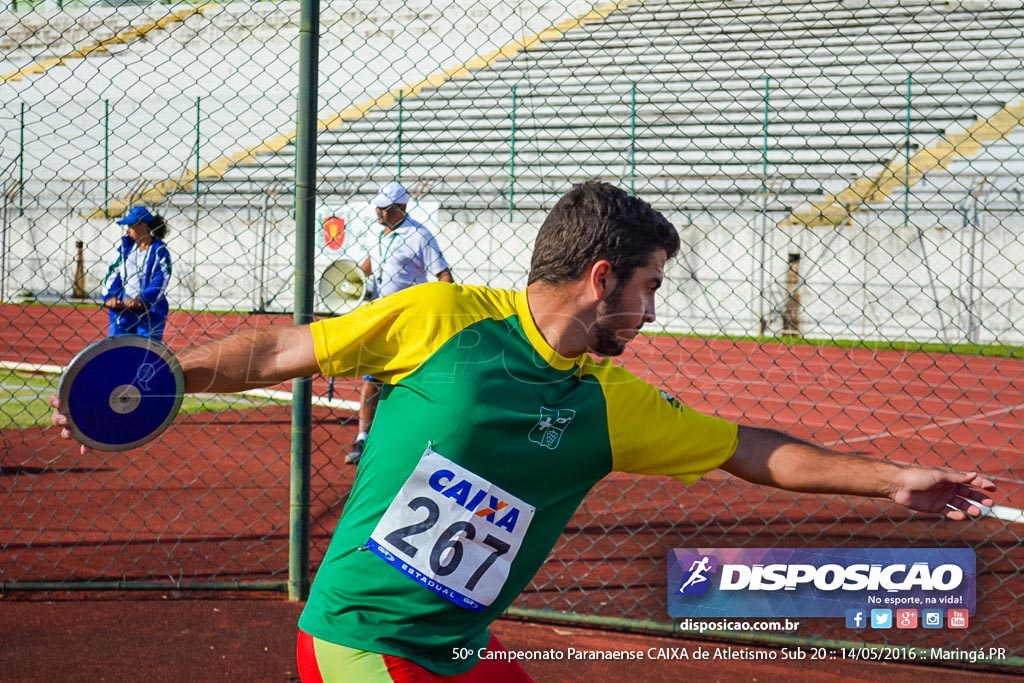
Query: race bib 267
(453,532)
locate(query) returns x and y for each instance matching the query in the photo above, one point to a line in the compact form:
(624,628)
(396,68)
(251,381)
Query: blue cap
(392,193)
(137,214)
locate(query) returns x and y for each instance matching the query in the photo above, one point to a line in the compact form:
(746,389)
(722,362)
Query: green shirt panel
(481,401)
(473,378)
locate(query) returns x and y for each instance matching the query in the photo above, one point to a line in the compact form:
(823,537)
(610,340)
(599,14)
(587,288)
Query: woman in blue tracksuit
(136,283)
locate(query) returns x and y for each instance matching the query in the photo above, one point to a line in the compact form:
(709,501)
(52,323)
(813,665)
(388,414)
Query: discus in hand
(121,392)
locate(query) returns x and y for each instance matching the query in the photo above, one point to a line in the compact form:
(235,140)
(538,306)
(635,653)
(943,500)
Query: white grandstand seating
(837,107)
(700,149)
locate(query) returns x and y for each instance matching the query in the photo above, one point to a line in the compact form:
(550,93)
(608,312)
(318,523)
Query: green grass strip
(25,400)
(988,350)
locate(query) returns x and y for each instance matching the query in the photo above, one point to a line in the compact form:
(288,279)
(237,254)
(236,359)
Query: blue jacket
(155,278)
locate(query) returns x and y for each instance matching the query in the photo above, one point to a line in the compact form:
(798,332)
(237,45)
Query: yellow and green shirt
(484,443)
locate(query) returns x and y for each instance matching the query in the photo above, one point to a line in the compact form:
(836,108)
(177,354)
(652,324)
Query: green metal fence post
(632,142)
(764,134)
(302,388)
(21,162)
(398,174)
(906,205)
(906,155)
(106,158)
(512,160)
(198,113)
(196,212)
(762,275)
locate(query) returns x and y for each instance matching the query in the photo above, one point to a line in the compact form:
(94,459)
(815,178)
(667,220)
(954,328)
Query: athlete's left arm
(771,458)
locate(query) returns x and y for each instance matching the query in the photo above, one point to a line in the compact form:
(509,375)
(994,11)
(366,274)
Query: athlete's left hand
(954,495)
(60,419)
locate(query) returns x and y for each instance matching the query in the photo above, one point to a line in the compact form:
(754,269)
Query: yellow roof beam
(218,167)
(836,209)
(127,36)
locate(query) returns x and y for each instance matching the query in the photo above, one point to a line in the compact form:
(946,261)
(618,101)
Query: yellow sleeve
(652,433)
(391,337)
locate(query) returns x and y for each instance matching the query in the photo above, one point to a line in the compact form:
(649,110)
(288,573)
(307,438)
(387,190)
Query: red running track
(938,409)
(965,412)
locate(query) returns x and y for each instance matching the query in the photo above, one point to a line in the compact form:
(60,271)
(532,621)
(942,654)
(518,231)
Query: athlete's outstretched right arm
(249,360)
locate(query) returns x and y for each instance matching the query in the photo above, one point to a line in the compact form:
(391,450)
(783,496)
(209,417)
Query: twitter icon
(881,618)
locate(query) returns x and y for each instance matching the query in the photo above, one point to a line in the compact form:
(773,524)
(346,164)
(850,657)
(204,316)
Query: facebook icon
(855,618)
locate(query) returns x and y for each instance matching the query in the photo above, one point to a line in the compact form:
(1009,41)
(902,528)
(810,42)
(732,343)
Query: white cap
(392,193)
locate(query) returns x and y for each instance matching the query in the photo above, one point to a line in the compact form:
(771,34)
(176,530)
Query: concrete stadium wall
(869,280)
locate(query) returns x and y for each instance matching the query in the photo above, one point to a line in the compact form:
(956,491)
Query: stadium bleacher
(836,106)
(751,124)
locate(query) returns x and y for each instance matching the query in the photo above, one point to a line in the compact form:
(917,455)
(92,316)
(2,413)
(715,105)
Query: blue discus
(121,392)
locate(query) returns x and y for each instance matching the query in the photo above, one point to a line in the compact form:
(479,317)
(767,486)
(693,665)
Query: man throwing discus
(495,423)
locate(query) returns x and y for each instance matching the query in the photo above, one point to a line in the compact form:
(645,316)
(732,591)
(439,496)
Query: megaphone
(342,286)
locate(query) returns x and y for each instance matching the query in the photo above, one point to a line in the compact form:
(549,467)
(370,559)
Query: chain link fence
(846,177)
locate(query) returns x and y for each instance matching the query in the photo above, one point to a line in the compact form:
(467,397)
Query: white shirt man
(406,254)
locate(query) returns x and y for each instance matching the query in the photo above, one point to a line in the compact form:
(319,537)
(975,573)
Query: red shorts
(323,662)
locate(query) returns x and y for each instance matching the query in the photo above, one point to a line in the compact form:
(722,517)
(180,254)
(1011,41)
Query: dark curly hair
(595,221)
(158,227)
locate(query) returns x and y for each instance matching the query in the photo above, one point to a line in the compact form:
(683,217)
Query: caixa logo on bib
(477,500)
(816,582)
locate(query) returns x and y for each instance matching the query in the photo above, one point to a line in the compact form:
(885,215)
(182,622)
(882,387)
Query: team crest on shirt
(549,428)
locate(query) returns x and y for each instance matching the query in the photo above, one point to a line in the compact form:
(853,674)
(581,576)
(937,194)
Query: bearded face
(614,327)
